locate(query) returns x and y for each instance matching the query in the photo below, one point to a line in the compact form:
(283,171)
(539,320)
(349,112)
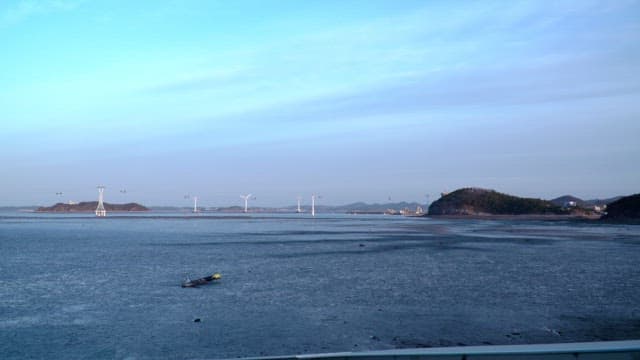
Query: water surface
(75,286)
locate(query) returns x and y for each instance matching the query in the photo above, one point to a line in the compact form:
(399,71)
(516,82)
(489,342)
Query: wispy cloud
(389,50)
(560,80)
(22,10)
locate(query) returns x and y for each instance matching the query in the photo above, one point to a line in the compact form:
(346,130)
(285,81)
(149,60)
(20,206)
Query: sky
(352,100)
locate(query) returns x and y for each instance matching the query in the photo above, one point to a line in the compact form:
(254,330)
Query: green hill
(566,199)
(475,201)
(624,209)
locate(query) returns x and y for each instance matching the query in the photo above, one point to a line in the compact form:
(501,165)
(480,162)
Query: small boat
(201,281)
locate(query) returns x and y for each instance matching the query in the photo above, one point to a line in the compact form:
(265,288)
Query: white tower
(313,204)
(299,209)
(246,201)
(100,210)
(195,204)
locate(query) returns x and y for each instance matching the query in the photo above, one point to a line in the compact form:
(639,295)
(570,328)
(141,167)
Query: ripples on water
(82,287)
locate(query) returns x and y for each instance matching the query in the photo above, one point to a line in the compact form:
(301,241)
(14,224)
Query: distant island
(572,201)
(90,206)
(484,202)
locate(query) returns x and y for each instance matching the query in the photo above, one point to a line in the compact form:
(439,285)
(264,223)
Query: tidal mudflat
(81,287)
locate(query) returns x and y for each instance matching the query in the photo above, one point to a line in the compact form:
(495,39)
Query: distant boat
(201,281)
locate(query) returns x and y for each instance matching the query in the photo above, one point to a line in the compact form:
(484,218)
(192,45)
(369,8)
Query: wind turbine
(195,201)
(246,200)
(313,204)
(299,209)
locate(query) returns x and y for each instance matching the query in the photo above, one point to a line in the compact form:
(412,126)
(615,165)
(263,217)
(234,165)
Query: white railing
(605,350)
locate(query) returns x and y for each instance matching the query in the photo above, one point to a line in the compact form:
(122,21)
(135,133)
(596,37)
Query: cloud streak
(555,83)
(482,49)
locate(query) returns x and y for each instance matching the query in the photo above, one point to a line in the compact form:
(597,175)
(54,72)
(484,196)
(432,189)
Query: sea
(80,287)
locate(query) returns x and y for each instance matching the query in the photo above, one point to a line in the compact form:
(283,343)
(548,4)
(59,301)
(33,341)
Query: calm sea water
(82,287)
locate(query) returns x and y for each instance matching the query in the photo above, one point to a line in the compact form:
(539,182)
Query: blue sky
(354,100)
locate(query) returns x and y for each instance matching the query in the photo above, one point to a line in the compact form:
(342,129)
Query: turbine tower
(100,210)
(195,204)
(246,201)
(313,204)
(299,210)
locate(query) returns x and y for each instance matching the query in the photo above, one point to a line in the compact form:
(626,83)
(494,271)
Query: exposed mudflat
(81,287)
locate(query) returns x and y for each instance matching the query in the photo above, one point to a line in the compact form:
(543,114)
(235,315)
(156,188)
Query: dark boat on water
(201,281)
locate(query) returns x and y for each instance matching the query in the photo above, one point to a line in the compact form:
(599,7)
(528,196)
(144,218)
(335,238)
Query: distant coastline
(464,203)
